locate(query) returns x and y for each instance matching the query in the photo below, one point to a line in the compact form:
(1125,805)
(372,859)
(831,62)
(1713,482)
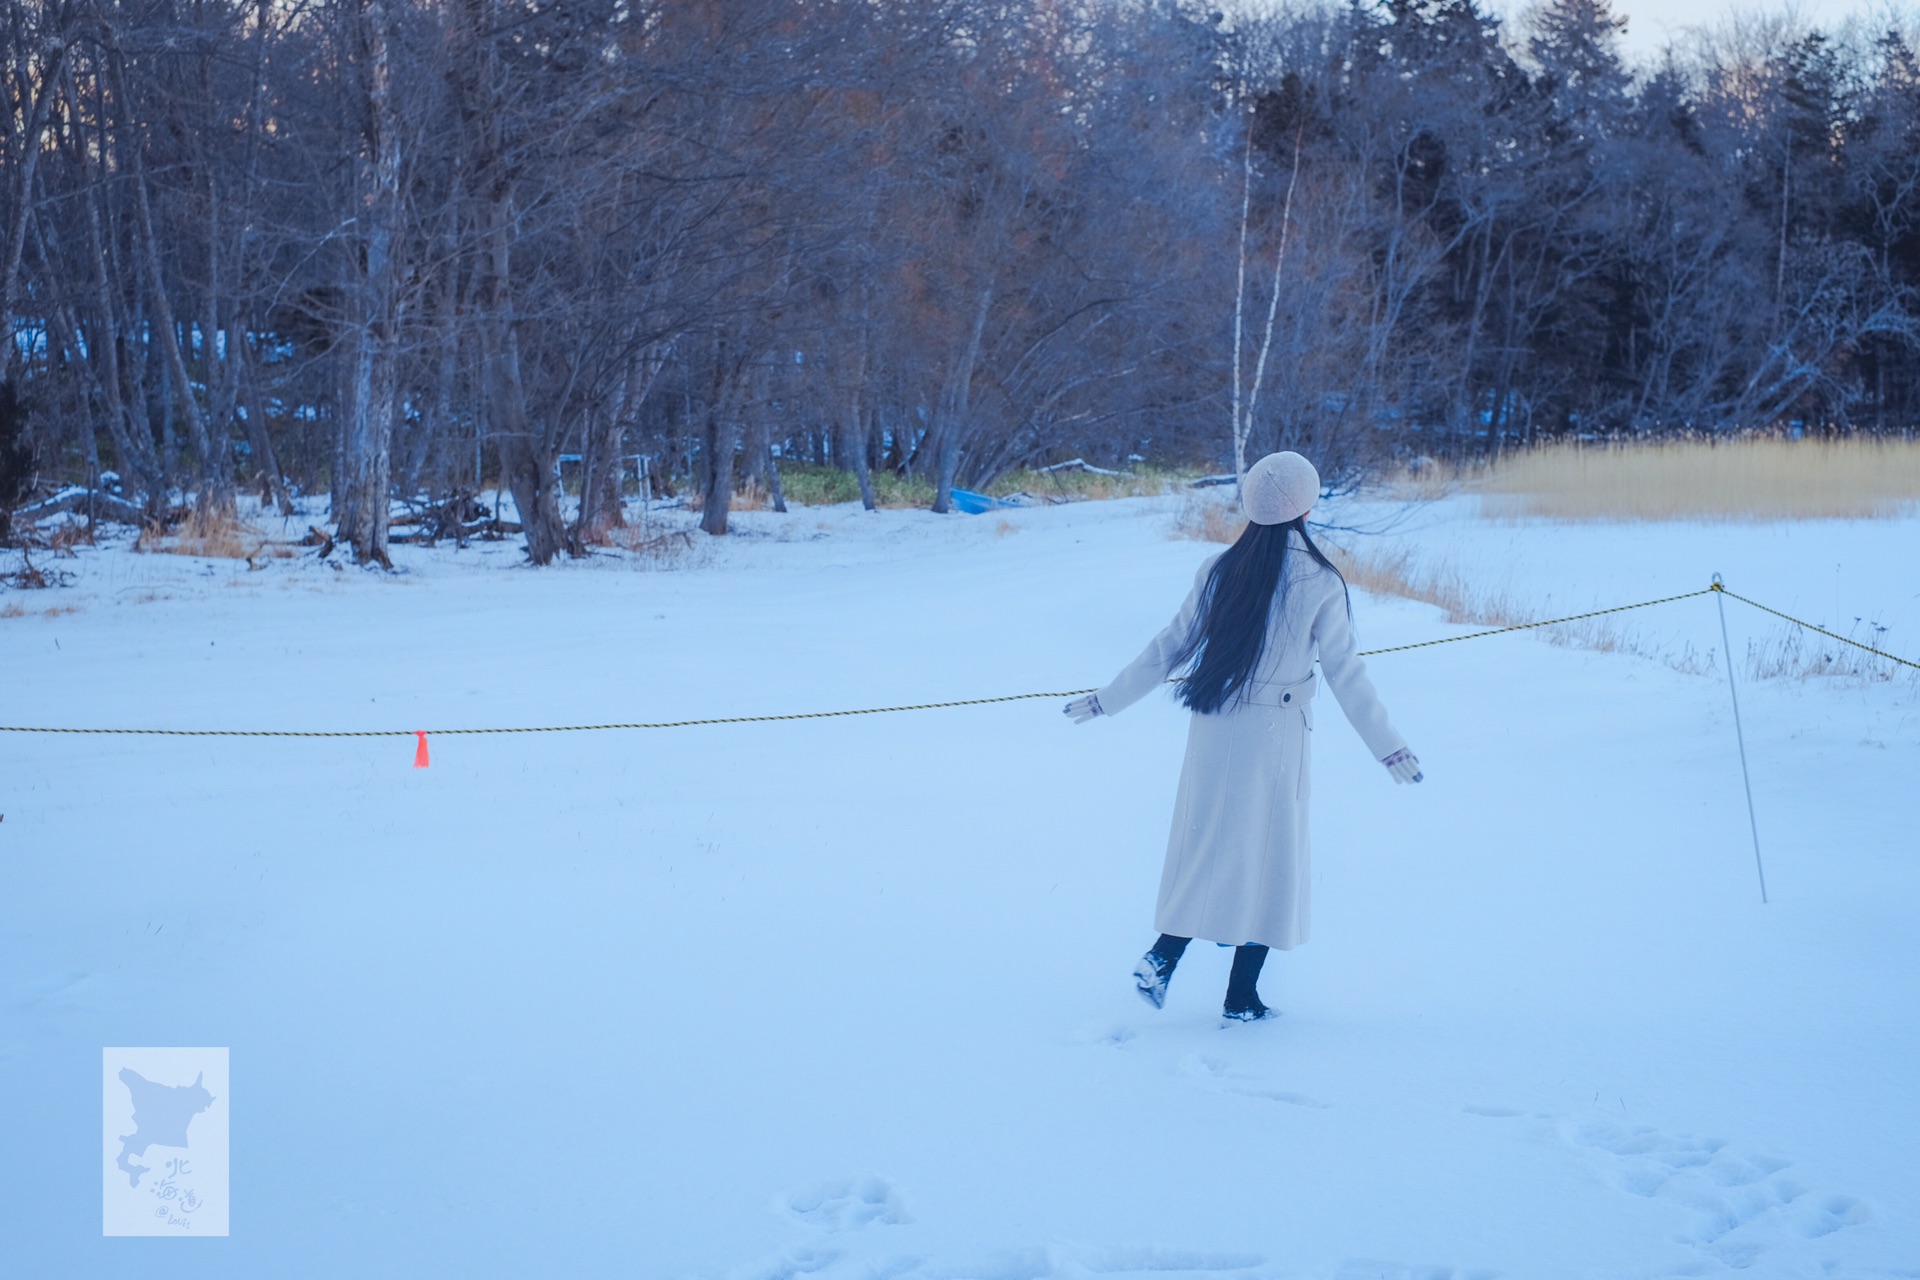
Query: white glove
(1404,766)
(1084,709)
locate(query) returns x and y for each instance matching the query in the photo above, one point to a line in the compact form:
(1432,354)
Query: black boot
(1243,997)
(1155,969)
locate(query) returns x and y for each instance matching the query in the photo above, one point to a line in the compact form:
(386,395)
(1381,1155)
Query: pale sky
(1651,23)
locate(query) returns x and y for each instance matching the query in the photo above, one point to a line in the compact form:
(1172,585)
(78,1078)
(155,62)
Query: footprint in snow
(789,1266)
(1061,1262)
(1373,1269)
(846,1204)
(1830,1214)
(1218,1075)
(1742,1201)
(1148,1260)
(1113,1035)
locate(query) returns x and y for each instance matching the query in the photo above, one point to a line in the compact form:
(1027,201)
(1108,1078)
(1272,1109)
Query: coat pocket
(1303,785)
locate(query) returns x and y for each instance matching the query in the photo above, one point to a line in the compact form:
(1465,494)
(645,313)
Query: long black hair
(1230,633)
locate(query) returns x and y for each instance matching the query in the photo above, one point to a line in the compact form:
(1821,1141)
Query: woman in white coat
(1244,645)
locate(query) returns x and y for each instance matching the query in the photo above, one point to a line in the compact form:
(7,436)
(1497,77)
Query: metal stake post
(1720,599)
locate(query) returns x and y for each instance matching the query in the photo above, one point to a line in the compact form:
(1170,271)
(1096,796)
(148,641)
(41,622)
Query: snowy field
(850,998)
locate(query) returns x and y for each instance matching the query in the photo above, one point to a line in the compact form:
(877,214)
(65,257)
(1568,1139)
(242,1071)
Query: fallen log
(661,541)
(318,537)
(30,578)
(426,533)
(97,502)
(1080,464)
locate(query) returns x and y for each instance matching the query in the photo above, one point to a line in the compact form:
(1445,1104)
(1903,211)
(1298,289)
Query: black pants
(1241,993)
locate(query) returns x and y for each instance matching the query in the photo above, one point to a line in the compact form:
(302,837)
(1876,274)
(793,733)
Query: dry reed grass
(1790,654)
(1209,519)
(1428,480)
(1750,479)
(63,538)
(1074,485)
(1794,653)
(14,609)
(214,537)
(751,497)
(655,548)
(1394,574)
(1467,604)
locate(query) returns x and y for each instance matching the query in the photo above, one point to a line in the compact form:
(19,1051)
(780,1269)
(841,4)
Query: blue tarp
(974,503)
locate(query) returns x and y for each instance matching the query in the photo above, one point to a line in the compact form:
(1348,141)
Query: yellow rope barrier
(1529,626)
(1798,622)
(874,711)
(545,728)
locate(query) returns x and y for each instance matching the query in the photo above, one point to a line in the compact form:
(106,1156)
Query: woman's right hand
(1084,709)
(1404,766)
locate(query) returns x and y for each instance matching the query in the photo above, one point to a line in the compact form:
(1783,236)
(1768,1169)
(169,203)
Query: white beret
(1278,488)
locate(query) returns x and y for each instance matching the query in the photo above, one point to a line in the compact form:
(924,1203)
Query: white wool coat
(1237,866)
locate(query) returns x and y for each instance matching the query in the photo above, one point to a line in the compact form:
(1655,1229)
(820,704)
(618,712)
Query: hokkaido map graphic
(164,1155)
(161,1114)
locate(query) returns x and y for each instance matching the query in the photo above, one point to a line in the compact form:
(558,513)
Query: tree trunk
(603,460)
(1238,427)
(852,447)
(717,442)
(264,459)
(527,459)
(216,364)
(755,448)
(957,399)
(216,481)
(132,440)
(374,392)
(368,453)
(855,442)
(16,234)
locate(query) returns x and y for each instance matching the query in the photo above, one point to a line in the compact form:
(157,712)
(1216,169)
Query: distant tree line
(415,248)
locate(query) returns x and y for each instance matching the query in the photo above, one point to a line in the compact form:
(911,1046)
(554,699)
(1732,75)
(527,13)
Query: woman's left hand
(1084,709)
(1404,766)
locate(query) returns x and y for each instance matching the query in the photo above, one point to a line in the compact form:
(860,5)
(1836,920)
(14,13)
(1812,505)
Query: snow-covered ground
(849,997)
